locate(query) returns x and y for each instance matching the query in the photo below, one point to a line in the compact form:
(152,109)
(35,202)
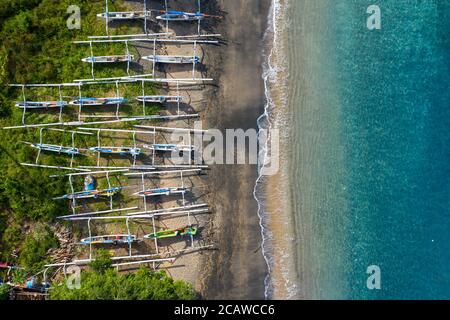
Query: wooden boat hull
(122,15)
(172,59)
(96,102)
(159,99)
(117,150)
(41,104)
(109,59)
(92,194)
(56,149)
(188,231)
(110,239)
(181,16)
(169,148)
(161,192)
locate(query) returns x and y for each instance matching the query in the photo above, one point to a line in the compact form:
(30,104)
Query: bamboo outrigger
(109,59)
(98,101)
(110,239)
(41,104)
(172,59)
(187,231)
(160,99)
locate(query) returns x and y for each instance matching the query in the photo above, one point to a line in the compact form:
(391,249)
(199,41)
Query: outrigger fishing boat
(169,148)
(110,239)
(87,194)
(54,148)
(41,104)
(109,59)
(159,99)
(181,16)
(98,101)
(117,150)
(172,59)
(187,231)
(123,15)
(161,192)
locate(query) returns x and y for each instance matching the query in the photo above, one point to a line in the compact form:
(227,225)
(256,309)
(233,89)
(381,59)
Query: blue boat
(98,101)
(54,148)
(117,150)
(181,16)
(110,239)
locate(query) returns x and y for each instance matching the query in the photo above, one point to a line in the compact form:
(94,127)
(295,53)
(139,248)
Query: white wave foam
(273,65)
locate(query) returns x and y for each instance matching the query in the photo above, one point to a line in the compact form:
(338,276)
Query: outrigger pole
(169,253)
(53,167)
(88,214)
(142,216)
(194,209)
(130,35)
(165,40)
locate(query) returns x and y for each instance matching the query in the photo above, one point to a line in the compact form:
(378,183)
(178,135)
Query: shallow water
(367,120)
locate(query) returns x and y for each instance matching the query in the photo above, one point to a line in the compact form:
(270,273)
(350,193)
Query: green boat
(187,231)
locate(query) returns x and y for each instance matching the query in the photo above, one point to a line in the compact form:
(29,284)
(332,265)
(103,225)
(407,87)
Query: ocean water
(366,159)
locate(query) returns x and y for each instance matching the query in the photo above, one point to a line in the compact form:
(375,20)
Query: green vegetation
(104,283)
(35,246)
(4,292)
(36,47)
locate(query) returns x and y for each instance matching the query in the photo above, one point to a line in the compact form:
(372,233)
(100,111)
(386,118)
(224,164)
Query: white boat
(117,150)
(41,104)
(123,15)
(172,59)
(115,239)
(109,59)
(98,101)
(161,192)
(159,99)
(169,147)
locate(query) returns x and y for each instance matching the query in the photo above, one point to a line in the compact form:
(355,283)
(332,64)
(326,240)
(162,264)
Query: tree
(110,285)
(102,261)
(4,292)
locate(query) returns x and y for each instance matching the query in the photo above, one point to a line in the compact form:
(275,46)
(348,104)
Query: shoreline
(274,192)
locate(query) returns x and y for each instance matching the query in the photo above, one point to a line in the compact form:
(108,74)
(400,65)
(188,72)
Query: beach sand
(237,269)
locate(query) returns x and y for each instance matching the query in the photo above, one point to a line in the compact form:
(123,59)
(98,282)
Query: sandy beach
(237,270)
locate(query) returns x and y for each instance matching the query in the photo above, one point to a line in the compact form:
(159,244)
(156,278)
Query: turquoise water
(371,156)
